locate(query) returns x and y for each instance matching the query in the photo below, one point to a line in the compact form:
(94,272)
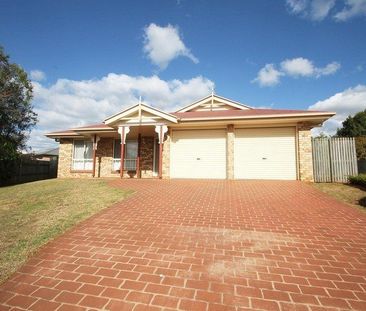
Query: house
(48,155)
(214,137)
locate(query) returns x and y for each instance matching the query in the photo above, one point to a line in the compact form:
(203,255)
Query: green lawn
(32,214)
(343,192)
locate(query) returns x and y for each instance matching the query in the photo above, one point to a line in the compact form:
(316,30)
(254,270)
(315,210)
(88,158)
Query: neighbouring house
(48,155)
(51,156)
(214,137)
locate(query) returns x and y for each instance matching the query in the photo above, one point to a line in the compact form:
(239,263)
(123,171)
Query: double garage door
(265,153)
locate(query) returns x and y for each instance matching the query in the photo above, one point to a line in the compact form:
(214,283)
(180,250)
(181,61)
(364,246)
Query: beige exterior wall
(305,158)
(230,138)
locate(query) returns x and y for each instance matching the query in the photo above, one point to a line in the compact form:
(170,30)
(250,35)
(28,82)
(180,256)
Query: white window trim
(86,163)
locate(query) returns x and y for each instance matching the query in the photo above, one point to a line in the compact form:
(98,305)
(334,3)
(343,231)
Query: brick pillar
(166,156)
(64,158)
(230,137)
(305,156)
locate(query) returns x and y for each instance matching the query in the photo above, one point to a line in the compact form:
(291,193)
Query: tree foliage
(353,126)
(16,112)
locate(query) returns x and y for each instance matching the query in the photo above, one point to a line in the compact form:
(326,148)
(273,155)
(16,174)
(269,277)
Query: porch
(131,152)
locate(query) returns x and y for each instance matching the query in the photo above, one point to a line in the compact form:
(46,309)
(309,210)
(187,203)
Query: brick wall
(305,157)
(166,156)
(147,156)
(105,158)
(65,161)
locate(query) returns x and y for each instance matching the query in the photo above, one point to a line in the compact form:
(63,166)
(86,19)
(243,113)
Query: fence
(334,159)
(31,169)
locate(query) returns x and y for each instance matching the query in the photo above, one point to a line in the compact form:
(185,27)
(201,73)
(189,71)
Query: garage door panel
(267,153)
(198,154)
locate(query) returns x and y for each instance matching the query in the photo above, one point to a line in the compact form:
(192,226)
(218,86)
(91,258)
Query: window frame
(75,170)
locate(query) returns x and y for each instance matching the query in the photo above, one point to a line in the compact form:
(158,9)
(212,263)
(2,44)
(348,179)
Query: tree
(353,126)
(16,113)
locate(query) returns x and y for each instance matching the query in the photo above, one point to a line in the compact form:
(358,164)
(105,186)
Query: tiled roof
(240,113)
(93,126)
(206,115)
(74,131)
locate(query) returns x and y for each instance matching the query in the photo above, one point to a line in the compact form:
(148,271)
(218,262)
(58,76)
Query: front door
(131,155)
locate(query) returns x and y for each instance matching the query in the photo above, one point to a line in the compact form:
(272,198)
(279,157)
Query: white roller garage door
(198,154)
(266,153)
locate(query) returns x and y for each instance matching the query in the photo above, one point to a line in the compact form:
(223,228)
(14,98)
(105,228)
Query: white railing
(116,165)
(82,164)
(129,164)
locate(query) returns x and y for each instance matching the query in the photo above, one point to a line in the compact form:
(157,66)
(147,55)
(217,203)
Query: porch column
(123,131)
(161,130)
(138,168)
(95,140)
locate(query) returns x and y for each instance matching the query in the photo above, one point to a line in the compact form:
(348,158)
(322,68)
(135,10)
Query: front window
(82,155)
(130,156)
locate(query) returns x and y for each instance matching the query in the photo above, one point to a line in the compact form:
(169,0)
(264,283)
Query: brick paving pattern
(203,245)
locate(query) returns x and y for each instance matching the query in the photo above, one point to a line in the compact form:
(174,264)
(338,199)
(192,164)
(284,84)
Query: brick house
(214,137)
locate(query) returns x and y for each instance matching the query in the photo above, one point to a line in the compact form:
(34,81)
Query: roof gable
(140,113)
(214,103)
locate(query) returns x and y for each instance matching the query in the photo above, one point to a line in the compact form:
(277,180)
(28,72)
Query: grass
(32,214)
(343,192)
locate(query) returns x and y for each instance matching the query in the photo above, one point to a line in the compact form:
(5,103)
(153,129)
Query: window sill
(81,171)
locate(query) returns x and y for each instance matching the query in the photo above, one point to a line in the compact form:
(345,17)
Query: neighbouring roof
(50,152)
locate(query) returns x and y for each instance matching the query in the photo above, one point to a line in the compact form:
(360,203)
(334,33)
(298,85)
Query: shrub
(359,180)
(360,147)
(362,202)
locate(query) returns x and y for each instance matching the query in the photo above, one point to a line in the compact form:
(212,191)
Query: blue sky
(89,59)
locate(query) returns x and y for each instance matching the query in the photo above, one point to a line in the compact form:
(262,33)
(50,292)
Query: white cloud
(268,76)
(37,75)
(304,67)
(348,102)
(163,44)
(315,10)
(296,67)
(70,103)
(319,9)
(297,6)
(329,69)
(352,8)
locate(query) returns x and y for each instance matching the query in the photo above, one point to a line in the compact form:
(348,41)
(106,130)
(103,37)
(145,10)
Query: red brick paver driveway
(203,245)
